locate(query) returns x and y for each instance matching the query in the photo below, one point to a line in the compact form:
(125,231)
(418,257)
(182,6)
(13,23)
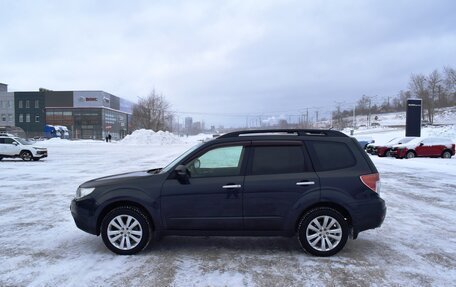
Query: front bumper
(83,212)
(399,153)
(41,154)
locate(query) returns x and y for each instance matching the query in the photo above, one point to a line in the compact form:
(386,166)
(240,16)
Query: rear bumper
(83,215)
(369,215)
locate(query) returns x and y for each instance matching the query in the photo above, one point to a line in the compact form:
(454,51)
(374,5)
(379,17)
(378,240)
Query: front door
(8,147)
(212,197)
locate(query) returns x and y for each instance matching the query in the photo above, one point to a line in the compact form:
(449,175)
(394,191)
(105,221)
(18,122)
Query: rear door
(279,174)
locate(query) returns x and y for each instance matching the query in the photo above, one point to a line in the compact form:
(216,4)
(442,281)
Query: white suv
(12,146)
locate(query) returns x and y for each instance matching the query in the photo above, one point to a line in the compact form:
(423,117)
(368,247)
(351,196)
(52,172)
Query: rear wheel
(323,232)
(388,153)
(126,230)
(446,154)
(410,154)
(26,155)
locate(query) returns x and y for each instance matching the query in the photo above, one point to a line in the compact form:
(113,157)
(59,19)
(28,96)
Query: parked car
(383,150)
(370,149)
(318,184)
(424,147)
(364,141)
(12,147)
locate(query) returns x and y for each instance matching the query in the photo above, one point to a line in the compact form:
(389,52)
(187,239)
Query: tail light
(372,181)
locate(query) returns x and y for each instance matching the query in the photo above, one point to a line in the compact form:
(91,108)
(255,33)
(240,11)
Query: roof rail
(296,132)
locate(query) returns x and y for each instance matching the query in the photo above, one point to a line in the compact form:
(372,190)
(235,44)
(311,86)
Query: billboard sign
(413,118)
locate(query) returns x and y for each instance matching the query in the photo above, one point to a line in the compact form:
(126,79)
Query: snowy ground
(41,246)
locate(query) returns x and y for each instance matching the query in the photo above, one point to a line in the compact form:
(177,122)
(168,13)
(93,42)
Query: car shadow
(201,244)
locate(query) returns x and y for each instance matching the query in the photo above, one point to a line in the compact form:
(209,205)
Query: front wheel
(126,230)
(446,154)
(26,155)
(323,232)
(410,154)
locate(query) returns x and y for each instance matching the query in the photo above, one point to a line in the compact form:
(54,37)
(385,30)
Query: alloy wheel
(324,233)
(124,232)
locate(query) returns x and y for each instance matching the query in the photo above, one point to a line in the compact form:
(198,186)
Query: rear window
(331,155)
(277,160)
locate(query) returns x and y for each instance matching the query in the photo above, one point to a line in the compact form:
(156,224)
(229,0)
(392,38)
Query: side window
(277,160)
(222,161)
(331,155)
(9,141)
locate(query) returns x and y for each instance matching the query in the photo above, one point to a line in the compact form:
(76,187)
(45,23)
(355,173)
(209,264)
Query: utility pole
(307,118)
(354,117)
(369,114)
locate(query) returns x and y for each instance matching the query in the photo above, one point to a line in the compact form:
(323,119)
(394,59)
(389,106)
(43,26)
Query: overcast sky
(230,58)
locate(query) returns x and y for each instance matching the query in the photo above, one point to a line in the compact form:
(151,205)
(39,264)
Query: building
(87,114)
(188,125)
(6,106)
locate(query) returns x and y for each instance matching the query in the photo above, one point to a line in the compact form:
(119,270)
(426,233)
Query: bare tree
(151,113)
(419,89)
(434,87)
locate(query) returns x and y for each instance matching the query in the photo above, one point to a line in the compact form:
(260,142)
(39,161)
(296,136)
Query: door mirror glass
(182,174)
(181,170)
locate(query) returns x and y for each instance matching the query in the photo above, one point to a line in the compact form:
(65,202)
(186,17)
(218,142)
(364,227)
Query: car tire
(446,154)
(388,153)
(26,155)
(126,230)
(323,232)
(410,154)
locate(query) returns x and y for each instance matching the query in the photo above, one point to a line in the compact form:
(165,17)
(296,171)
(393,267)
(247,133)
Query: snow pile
(144,136)
(443,131)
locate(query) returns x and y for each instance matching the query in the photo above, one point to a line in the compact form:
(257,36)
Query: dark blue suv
(318,184)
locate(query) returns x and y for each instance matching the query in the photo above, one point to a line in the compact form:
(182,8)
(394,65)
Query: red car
(425,147)
(385,149)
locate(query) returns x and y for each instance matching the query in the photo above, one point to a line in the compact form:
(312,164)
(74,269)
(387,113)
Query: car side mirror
(15,143)
(421,144)
(182,174)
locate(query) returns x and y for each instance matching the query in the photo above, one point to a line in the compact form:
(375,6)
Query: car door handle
(305,183)
(232,186)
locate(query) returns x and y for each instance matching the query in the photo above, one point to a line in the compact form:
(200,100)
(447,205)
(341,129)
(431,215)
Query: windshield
(406,140)
(414,141)
(179,158)
(23,141)
(393,141)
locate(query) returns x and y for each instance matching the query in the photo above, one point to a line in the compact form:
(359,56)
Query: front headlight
(82,191)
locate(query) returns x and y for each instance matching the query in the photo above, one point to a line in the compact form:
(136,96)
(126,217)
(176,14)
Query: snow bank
(144,136)
(443,131)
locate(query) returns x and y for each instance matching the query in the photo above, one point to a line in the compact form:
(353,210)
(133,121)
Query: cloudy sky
(226,58)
